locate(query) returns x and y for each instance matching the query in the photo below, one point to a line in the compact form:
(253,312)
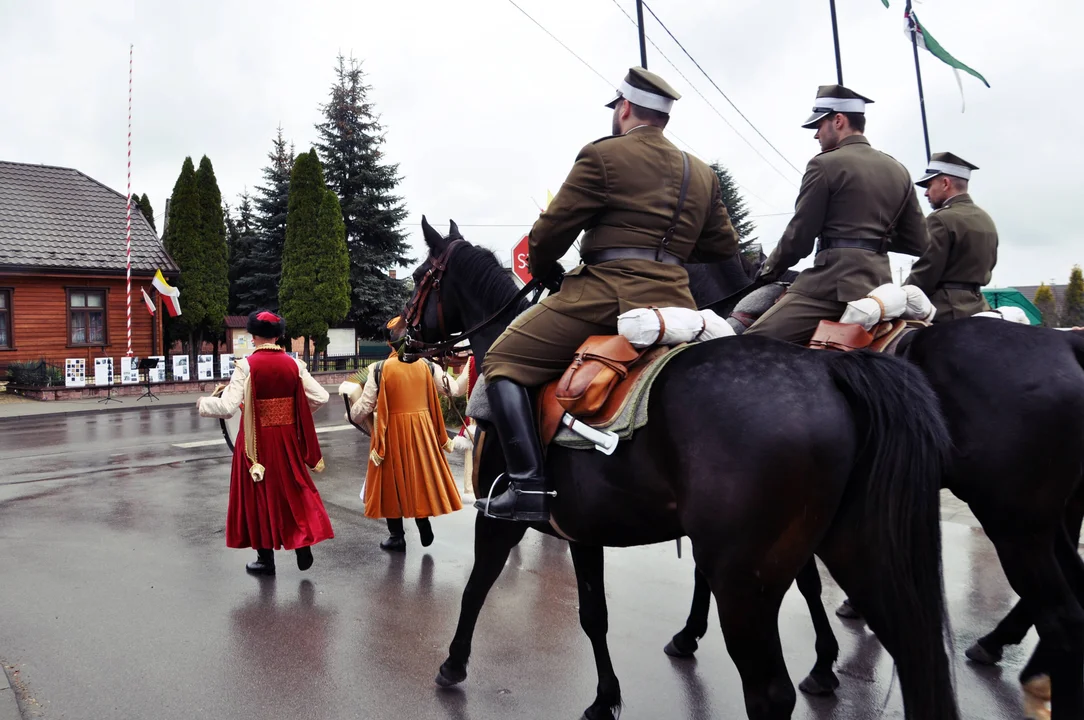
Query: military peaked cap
(946,164)
(835,99)
(646,89)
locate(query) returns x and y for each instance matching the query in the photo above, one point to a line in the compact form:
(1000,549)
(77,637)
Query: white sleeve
(226,405)
(364,407)
(314,391)
(457,387)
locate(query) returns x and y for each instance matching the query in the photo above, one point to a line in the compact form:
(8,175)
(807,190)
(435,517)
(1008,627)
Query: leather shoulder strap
(892,225)
(669,234)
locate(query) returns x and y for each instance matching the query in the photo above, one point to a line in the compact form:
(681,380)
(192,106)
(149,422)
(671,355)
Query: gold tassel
(319,466)
(257,470)
(375,458)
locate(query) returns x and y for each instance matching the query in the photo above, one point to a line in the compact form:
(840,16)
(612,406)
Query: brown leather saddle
(884,338)
(597,385)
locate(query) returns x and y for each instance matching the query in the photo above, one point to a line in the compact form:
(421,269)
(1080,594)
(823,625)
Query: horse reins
(431,282)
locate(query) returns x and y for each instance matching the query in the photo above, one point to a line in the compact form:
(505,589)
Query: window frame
(68,310)
(9,311)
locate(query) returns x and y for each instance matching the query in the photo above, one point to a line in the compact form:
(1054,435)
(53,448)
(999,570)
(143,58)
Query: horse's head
(434,312)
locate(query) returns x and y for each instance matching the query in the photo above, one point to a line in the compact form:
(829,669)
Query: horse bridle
(414,348)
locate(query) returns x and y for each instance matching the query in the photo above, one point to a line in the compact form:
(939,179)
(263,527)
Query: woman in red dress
(273,502)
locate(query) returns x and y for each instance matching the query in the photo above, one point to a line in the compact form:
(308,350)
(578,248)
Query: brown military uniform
(849,195)
(963,245)
(622,192)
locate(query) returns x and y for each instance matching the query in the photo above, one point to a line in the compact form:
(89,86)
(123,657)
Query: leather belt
(973,287)
(877,246)
(609,254)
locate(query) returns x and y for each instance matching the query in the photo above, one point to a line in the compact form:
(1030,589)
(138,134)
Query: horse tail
(904,446)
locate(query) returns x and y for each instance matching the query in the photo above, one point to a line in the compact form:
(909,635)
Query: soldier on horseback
(858,204)
(646,208)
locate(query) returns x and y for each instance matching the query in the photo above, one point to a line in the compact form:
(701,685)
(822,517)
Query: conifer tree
(1047,305)
(260,285)
(244,263)
(1073,314)
(350,143)
(182,242)
(213,275)
(144,204)
(314,292)
(735,207)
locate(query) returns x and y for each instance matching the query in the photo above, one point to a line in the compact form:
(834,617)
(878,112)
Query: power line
(566,47)
(715,109)
(603,78)
(529,224)
(773,147)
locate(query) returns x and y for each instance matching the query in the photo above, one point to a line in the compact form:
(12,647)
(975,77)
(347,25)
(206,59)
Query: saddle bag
(831,335)
(600,363)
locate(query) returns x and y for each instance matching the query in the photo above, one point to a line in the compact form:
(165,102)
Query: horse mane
(491,286)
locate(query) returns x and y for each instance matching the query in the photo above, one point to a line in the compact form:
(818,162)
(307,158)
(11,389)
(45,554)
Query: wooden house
(62,269)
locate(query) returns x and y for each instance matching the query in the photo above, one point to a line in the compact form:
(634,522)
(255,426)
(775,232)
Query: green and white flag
(925,40)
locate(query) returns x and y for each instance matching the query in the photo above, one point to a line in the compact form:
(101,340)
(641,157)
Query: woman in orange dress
(273,501)
(408,475)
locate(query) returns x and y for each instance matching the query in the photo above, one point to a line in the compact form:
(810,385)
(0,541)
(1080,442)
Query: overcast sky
(484,112)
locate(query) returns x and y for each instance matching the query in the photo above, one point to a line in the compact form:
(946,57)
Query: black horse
(839,454)
(1013,397)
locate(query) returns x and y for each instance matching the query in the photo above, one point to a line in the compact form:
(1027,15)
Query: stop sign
(519,260)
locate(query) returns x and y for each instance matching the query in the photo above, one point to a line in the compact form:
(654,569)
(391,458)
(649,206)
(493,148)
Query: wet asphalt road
(119,599)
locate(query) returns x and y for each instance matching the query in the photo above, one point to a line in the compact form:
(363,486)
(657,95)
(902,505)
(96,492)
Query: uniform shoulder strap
(892,225)
(669,234)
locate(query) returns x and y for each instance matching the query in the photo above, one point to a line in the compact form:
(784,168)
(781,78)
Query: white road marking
(220,441)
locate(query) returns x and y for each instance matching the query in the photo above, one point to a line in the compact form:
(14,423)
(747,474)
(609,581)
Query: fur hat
(266,324)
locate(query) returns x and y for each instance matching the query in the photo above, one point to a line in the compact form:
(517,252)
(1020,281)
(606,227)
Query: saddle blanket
(631,418)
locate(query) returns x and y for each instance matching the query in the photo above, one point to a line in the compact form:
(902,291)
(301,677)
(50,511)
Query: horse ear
(432,238)
(453,231)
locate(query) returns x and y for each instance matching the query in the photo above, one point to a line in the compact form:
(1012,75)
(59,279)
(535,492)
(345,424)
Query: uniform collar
(645,128)
(854,140)
(962,198)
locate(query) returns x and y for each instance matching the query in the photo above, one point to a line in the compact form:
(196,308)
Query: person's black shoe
(425,529)
(395,543)
(304,558)
(264,564)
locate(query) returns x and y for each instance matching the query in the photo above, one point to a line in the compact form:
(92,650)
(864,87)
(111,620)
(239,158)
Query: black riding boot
(526,498)
(264,564)
(396,541)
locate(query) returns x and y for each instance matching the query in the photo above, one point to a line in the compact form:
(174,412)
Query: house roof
(1059,293)
(58,219)
(237,321)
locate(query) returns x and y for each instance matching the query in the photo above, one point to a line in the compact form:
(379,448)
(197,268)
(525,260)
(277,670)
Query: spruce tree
(1047,305)
(182,242)
(144,204)
(214,259)
(350,140)
(1073,315)
(244,242)
(260,285)
(315,265)
(736,208)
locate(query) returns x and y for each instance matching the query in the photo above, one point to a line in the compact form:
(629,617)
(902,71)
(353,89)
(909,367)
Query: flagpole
(640,25)
(918,76)
(835,39)
(128,232)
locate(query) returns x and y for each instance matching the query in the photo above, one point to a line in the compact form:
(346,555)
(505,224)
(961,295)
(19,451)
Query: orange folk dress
(408,475)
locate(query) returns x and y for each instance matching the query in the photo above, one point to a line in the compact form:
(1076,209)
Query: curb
(9,704)
(88,410)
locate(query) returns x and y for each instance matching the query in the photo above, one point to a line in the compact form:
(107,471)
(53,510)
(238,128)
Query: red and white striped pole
(129,212)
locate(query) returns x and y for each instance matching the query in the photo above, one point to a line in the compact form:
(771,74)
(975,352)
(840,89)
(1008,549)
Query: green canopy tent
(1002,297)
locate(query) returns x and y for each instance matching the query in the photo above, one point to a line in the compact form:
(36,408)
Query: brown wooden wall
(39,315)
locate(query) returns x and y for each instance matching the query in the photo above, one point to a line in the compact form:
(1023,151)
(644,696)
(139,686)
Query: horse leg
(749,615)
(1044,574)
(684,644)
(493,541)
(821,680)
(594,619)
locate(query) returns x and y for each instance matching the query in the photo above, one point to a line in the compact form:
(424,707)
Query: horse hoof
(978,653)
(847,611)
(447,677)
(820,687)
(678,648)
(1038,687)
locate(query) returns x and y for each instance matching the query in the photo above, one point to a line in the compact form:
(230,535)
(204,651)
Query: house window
(86,317)
(6,340)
